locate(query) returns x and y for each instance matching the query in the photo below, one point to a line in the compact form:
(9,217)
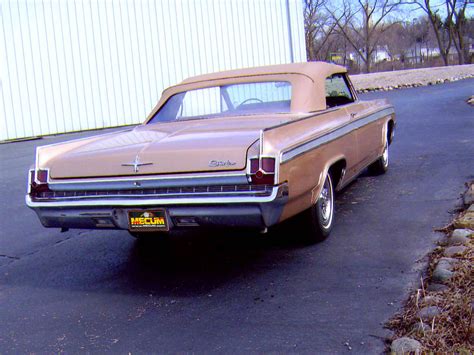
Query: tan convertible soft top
(307,79)
(313,70)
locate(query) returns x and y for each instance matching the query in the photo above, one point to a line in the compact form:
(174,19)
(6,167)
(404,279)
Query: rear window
(234,99)
(337,91)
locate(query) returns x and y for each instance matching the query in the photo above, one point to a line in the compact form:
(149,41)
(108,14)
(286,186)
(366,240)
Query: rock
(421,328)
(454,250)
(459,239)
(468,196)
(462,232)
(428,313)
(441,274)
(466,221)
(435,287)
(405,345)
(447,263)
(431,300)
(471,207)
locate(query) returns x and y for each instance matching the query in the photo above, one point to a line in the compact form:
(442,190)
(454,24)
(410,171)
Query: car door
(341,96)
(367,135)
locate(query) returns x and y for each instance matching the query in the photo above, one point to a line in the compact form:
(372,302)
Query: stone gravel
(412,77)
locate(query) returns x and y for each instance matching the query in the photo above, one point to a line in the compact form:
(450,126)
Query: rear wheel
(320,216)
(380,166)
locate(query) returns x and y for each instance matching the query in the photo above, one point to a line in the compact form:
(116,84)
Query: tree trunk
(368,66)
(443,52)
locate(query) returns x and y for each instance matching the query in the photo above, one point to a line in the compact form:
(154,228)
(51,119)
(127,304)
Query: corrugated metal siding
(70,65)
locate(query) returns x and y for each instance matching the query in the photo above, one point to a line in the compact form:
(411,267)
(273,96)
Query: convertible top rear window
(234,99)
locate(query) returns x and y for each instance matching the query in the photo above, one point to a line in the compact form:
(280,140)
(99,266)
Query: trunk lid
(165,148)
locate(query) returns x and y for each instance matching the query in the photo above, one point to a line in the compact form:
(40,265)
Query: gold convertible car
(243,148)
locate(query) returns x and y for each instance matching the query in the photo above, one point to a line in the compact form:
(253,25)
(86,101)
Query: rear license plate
(148,221)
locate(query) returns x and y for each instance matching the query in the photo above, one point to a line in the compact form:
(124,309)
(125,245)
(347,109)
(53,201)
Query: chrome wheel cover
(326,203)
(385,156)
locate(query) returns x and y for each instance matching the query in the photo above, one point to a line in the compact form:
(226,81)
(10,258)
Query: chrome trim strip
(142,178)
(306,116)
(276,191)
(148,193)
(335,134)
(146,183)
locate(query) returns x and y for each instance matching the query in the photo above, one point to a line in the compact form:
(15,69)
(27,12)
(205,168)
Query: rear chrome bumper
(221,210)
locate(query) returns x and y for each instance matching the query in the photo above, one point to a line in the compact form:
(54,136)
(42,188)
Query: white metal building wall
(70,65)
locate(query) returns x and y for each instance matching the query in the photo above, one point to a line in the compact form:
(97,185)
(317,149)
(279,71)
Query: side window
(337,91)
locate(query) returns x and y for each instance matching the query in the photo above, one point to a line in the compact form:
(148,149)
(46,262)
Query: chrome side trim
(306,117)
(335,134)
(277,191)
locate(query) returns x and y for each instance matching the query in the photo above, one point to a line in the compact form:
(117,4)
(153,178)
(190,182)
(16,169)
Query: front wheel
(320,216)
(380,166)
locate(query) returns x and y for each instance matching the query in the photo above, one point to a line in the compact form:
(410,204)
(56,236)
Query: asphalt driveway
(99,291)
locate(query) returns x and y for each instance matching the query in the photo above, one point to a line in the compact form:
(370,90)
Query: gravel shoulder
(439,315)
(411,78)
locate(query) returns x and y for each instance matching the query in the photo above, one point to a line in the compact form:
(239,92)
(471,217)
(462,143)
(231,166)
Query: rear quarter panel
(305,172)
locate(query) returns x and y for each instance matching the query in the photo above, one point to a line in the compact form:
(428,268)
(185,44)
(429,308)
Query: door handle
(353,114)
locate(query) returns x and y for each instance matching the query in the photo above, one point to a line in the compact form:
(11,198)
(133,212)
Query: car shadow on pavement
(187,264)
(193,263)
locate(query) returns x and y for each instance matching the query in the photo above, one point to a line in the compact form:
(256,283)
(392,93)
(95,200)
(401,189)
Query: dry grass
(450,331)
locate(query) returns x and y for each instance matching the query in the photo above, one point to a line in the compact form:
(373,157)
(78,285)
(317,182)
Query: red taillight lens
(262,171)
(39,181)
(261,178)
(268,165)
(42,176)
(254,165)
(35,188)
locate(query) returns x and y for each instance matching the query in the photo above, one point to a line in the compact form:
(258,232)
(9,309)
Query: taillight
(254,165)
(262,171)
(42,176)
(39,181)
(268,165)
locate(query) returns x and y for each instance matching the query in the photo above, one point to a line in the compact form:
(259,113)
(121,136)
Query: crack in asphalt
(12,258)
(9,257)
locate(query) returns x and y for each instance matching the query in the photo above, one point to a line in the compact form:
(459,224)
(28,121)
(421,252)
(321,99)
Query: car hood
(162,148)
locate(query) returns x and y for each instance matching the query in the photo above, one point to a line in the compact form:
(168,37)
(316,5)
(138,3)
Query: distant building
(418,54)
(380,54)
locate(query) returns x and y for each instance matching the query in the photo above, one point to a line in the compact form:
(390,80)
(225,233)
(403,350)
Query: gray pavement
(236,292)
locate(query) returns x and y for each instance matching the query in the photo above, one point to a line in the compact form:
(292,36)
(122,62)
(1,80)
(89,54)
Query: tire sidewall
(321,230)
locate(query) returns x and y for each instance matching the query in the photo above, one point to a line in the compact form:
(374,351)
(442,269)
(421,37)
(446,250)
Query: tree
(458,28)
(442,29)
(362,23)
(318,28)
(421,36)
(397,41)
